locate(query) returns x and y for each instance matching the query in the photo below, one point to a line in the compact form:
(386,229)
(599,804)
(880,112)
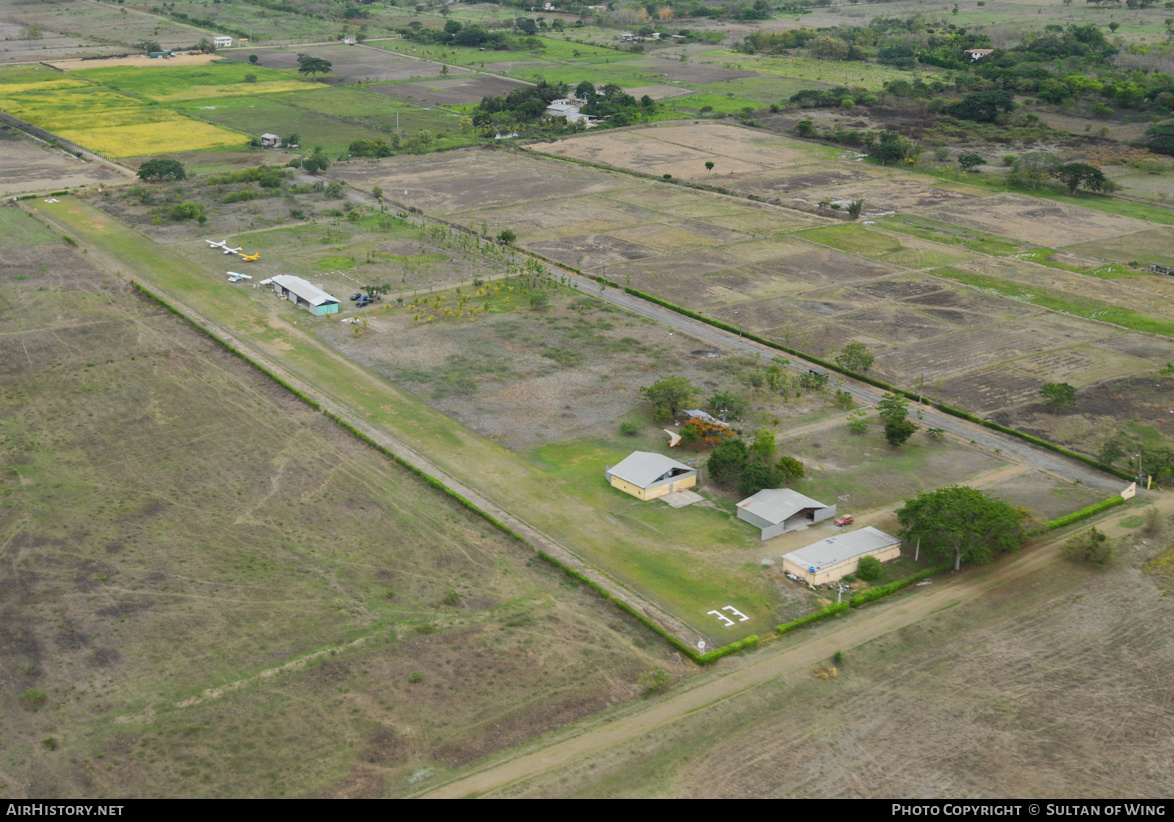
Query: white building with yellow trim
(646,475)
(830,559)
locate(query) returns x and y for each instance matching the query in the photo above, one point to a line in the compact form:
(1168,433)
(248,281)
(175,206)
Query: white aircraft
(234,277)
(224,245)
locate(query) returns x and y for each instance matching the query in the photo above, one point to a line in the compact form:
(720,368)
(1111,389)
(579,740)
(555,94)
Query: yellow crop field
(232,90)
(170,84)
(47,84)
(174,135)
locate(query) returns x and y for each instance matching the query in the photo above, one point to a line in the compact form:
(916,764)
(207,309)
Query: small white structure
(270,141)
(830,559)
(222,41)
(977,54)
(779,510)
(303,294)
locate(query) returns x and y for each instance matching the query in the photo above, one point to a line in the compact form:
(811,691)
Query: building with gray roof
(830,559)
(304,295)
(778,510)
(647,475)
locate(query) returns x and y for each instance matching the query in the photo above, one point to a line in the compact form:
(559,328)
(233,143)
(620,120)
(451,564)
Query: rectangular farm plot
(958,306)
(746,145)
(1152,245)
(1032,220)
(265,114)
(879,245)
(1046,495)
(349,64)
(896,193)
(640,151)
(548,221)
(1084,364)
(667,239)
(368,109)
(176,83)
(462,181)
(588,252)
(953,354)
(449,91)
(988,390)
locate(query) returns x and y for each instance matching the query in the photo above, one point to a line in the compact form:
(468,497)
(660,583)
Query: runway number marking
(729,623)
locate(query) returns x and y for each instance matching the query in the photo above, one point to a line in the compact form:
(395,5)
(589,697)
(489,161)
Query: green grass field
(258,115)
(220,592)
(573,516)
(18,229)
(169,84)
(878,245)
(867,75)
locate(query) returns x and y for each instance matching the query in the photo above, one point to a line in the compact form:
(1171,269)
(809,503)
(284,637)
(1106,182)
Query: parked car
(847,519)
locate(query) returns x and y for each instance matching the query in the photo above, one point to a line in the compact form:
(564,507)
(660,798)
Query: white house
(222,41)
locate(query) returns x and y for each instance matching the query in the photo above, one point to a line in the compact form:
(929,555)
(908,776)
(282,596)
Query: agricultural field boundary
(644,612)
(831,366)
(43,136)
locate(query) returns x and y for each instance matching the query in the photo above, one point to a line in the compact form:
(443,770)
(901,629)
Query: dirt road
(739,675)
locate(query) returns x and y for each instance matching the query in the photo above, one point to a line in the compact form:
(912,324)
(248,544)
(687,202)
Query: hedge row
(874,594)
(224,343)
(945,409)
(1085,513)
(818,616)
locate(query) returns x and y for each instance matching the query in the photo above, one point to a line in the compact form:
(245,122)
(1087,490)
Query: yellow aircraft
(250,259)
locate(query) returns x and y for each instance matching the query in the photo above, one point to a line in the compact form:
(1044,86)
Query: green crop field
(835,73)
(168,84)
(258,115)
(371,109)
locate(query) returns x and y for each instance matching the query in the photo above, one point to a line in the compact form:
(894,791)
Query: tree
(654,679)
(313,65)
(253,59)
(789,469)
(869,568)
(898,432)
(962,523)
(317,161)
(673,391)
(805,128)
(206,46)
(887,146)
(1076,175)
(1058,395)
(585,90)
(293,138)
(377,192)
(709,165)
(451,27)
(1161,138)
(184,211)
(982,106)
(507,236)
(31,32)
(1033,168)
(250,77)
(727,462)
(893,407)
(727,405)
(162,170)
(762,450)
(1089,546)
(754,478)
(970,161)
(855,357)
(526,26)
(148,46)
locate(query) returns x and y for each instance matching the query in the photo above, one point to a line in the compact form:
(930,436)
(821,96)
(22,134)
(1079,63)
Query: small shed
(270,141)
(978,54)
(830,559)
(222,41)
(779,510)
(646,475)
(304,295)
